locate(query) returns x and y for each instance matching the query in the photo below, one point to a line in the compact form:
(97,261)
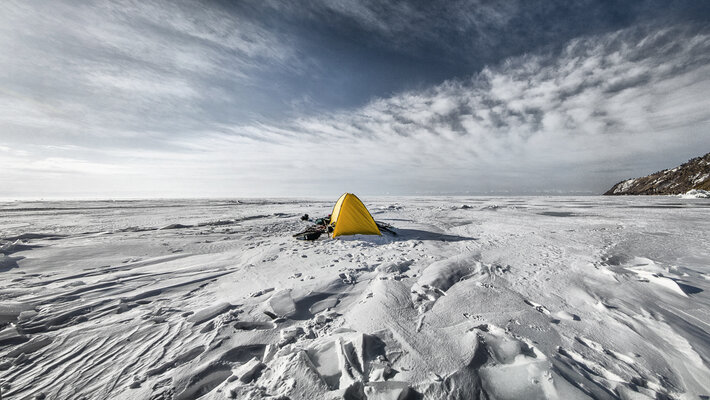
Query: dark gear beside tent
(349,217)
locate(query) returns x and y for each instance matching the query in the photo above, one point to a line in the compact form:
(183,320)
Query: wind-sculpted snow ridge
(474,298)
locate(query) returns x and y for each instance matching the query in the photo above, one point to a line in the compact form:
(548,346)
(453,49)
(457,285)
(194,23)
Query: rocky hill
(695,174)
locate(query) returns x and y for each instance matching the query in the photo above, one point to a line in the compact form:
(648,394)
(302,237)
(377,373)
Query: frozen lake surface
(476,297)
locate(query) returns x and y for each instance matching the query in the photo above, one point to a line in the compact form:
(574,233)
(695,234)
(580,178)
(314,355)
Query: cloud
(145,84)
(536,122)
(475,32)
(168,99)
(78,68)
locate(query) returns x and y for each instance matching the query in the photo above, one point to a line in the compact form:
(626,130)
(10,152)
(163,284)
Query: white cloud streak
(76,68)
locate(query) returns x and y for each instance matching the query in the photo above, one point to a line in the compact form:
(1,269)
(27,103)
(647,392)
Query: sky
(164,99)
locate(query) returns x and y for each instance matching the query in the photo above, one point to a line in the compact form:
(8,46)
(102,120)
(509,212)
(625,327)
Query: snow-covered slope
(693,175)
(506,298)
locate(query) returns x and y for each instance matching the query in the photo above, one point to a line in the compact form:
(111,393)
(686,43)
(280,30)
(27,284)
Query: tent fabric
(350,217)
(336,209)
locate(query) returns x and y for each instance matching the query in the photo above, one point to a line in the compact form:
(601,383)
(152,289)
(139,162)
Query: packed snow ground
(505,298)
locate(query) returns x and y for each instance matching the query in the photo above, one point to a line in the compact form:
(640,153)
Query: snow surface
(505,298)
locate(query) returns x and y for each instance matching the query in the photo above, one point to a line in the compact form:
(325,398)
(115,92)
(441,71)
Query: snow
(506,298)
(625,186)
(699,178)
(695,194)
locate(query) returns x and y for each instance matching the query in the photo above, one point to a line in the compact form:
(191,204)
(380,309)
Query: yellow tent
(350,217)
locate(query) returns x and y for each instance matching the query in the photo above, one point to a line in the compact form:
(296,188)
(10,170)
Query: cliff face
(695,174)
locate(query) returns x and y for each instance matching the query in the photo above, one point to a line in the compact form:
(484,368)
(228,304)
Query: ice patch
(282,304)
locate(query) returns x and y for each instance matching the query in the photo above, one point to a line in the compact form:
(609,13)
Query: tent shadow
(418,234)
